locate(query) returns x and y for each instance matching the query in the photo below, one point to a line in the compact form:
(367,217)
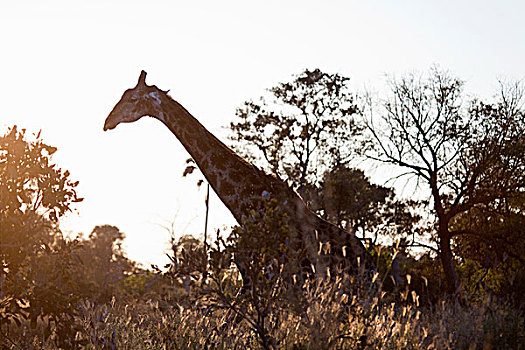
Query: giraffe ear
(142,78)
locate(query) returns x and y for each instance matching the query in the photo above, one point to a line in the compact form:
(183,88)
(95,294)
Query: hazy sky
(66,63)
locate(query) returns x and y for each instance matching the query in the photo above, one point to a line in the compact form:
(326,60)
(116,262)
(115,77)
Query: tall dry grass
(365,317)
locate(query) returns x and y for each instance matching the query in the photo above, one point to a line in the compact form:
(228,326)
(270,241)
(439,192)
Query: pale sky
(65,64)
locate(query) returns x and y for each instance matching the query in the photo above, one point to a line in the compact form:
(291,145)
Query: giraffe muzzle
(108,125)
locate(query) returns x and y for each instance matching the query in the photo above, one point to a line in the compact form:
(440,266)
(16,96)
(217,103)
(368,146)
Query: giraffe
(239,184)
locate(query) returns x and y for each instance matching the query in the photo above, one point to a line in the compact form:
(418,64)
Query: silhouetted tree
(30,184)
(104,264)
(34,193)
(36,271)
(306,128)
(492,235)
(467,154)
(346,197)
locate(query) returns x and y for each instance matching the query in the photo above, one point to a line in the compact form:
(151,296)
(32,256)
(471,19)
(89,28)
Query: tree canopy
(34,193)
(306,128)
(467,153)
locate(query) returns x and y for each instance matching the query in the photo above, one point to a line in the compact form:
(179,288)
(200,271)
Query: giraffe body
(239,184)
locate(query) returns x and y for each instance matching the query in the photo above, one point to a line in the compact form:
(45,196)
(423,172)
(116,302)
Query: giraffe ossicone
(239,184)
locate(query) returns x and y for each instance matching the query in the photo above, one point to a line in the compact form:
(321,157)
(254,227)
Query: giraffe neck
(235,181)
(240,185)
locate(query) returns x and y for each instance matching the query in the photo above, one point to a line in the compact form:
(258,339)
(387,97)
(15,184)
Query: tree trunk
(447,261)
(444,238)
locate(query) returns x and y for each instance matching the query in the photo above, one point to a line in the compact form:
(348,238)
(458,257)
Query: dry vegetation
(188,308)
(330,320)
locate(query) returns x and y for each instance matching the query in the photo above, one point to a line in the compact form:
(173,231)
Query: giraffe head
(137,102)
